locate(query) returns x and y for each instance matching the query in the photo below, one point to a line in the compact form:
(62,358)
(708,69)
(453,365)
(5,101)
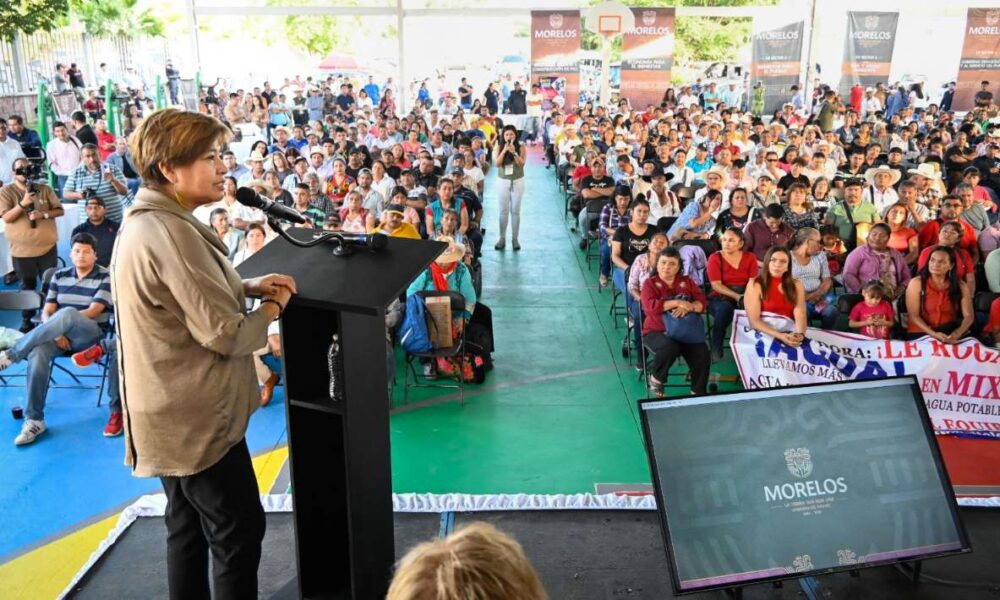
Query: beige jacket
(185,341)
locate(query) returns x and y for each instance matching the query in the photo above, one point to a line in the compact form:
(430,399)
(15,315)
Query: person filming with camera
(29,212)
(94,178)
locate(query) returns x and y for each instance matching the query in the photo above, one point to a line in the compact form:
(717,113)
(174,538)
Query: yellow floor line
(46,571)
(267,467)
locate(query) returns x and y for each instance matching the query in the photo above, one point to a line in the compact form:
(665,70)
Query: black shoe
(583,244)
(716,355)
(26,326)
(516,246)
(10,278)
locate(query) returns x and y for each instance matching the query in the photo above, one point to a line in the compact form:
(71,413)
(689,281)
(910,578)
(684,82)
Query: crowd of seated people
(853,197)
(345,164)
(887,216)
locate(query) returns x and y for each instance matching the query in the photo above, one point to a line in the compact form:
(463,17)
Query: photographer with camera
(10,150)
(29,213)
(106,181)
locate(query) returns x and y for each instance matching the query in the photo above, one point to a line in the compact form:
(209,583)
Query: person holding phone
(509,156)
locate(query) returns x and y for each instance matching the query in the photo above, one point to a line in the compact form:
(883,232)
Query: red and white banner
(960,382)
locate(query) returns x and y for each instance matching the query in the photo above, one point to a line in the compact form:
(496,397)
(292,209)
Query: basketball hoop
(609,19)
(609,25)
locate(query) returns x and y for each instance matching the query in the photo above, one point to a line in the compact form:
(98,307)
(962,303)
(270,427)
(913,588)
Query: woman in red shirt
(669,291)
(729,271)
(950,235)
(774,290)
(339,183)
(902,239)
(938,301)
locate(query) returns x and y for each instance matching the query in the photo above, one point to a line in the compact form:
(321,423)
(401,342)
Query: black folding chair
(457,349)
(593,208)
(18,300)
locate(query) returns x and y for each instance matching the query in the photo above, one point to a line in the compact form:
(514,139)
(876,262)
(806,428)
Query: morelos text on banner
(871,38)
(980,57)
(647,56)
(960,382)
(555,55)
(777,62)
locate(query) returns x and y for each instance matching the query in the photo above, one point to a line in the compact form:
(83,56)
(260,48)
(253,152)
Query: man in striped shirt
(105,180)
(79,298)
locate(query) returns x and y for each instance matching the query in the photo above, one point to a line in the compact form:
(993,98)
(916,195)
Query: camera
(88,193)
(30,172)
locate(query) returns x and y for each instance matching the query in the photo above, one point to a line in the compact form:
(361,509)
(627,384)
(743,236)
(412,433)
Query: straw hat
(260,183)
(453,253)
(721,172)
(925,170)
(254,157)
(894,175)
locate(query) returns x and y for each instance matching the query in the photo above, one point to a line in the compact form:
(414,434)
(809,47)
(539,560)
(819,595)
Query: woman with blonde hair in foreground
(477,562)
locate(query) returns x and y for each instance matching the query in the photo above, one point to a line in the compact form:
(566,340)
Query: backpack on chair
(413,334)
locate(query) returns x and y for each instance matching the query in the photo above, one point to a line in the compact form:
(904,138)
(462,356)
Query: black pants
(665,352)
(29,270)
(217,509)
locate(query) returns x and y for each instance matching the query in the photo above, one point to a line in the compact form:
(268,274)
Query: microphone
(375,242)
(247,197)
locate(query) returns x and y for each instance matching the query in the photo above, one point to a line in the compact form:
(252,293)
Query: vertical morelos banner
(871,37)
(980,57)
(648,56)
(777,62)
(555,54)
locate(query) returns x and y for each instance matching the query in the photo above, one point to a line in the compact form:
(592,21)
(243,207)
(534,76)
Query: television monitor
(762,485)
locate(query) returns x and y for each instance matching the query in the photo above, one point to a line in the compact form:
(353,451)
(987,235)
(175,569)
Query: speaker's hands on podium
(279,288)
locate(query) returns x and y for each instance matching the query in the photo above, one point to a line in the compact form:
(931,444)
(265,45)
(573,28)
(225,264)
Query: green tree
(124,18)
(697,39)
(317,36)
(29,16)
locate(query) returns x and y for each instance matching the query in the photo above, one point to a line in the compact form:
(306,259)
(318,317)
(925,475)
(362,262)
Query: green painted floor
(557,414)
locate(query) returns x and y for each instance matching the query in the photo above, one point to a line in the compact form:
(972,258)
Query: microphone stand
(340,249)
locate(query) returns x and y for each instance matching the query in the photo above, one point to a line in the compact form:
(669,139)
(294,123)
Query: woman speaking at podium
(186,346)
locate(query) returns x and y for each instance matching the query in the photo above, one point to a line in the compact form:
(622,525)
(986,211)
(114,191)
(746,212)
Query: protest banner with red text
(960,382)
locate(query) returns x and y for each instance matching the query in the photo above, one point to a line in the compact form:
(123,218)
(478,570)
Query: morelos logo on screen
(992,18)
(799,463)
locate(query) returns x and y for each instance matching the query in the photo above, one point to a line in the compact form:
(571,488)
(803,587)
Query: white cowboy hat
(453,253)
(260,183)
(317,150)
(721,172)
(254,157)
(925,170)
(893,174)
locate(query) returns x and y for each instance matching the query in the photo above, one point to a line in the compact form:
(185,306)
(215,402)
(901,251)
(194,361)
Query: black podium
(339,451)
